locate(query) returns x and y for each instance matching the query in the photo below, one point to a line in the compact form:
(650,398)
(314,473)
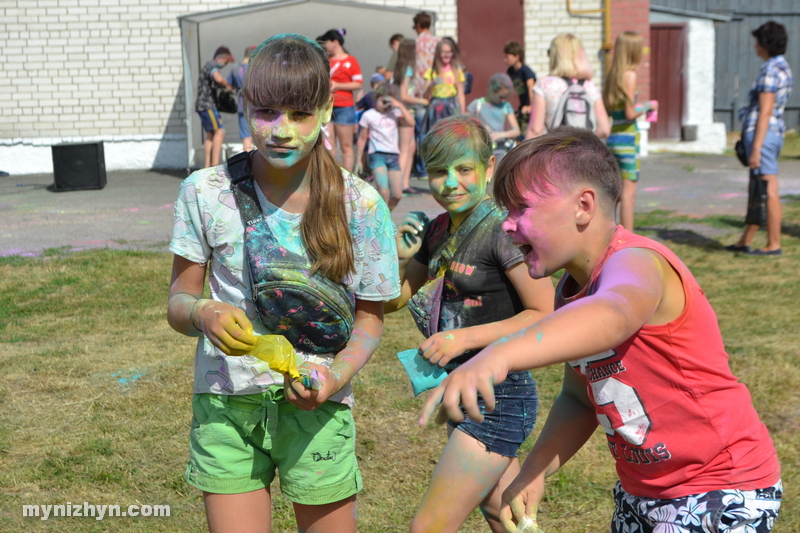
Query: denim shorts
(384,159)
(506,428)
(210,120)
(344,116)
(729,510)
(244,128)
(773,143)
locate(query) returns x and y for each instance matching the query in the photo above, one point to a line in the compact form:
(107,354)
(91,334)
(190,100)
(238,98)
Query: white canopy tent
(368,30)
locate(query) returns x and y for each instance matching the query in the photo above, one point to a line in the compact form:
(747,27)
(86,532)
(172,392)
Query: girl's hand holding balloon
(226,327)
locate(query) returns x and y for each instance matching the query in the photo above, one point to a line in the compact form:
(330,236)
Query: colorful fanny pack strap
(243,187)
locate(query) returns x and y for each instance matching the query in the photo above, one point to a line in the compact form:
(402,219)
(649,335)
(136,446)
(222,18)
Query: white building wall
(110,70)
(544,19)
(699,75)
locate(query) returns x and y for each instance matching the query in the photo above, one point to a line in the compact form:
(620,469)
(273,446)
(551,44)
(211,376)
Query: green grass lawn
(95,397)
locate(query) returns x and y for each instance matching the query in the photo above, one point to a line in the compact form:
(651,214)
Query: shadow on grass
(732,221)
(792,230)
(683,236)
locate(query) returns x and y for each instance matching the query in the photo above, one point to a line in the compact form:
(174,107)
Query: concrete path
(134,210)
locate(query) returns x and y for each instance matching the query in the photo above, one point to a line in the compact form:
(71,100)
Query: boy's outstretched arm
(569,425)
(628,292)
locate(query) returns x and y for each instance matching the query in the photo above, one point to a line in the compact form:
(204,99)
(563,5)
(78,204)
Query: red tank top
(677,420)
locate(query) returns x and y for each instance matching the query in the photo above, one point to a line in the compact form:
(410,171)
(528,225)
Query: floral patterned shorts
(719,511)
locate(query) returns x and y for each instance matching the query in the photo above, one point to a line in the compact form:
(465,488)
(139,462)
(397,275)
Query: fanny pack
(313,312)
(426,304)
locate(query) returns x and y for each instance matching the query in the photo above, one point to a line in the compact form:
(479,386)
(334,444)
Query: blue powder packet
(423,375)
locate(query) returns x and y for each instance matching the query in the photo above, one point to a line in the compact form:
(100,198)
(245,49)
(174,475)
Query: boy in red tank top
(643,351)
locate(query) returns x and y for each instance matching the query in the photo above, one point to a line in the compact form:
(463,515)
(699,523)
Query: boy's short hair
(563,158)
(423,20)
(772,36)
(382,89)
(395,37)
(515,48)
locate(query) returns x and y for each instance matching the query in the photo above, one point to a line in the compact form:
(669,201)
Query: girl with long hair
(403,79)
(487,294)
(293,247)
(568,64)
(444,85)
(345,78)
(619,95)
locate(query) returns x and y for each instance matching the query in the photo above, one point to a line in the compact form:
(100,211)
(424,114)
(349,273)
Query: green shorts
(238,441)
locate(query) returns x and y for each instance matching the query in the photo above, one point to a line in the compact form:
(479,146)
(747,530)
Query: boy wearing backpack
(567,96)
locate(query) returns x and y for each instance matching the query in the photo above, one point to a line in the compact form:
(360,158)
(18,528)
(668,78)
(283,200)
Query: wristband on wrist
(191,314)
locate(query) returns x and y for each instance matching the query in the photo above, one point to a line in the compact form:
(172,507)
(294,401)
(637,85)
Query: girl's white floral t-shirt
(209,229)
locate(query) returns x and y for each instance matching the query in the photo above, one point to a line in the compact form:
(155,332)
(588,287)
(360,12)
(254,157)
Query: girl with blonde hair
(568,64)
(619,95)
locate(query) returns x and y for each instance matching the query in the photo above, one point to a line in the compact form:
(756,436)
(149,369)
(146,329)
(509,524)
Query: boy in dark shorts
(523,77)
(643,351)
(211,79)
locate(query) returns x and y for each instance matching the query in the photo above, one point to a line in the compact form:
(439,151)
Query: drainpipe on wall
(606,11)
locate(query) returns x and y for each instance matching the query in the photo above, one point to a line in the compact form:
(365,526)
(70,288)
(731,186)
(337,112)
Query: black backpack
(574,108)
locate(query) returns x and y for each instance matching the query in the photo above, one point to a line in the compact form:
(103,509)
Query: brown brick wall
(634,15)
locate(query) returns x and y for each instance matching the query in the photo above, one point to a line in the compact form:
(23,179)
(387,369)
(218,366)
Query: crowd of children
(294,244)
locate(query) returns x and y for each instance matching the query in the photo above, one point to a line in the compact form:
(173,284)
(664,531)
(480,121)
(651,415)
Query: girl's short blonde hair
(568,58)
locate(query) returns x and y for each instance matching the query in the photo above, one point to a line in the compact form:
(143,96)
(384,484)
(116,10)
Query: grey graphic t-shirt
(476,289)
